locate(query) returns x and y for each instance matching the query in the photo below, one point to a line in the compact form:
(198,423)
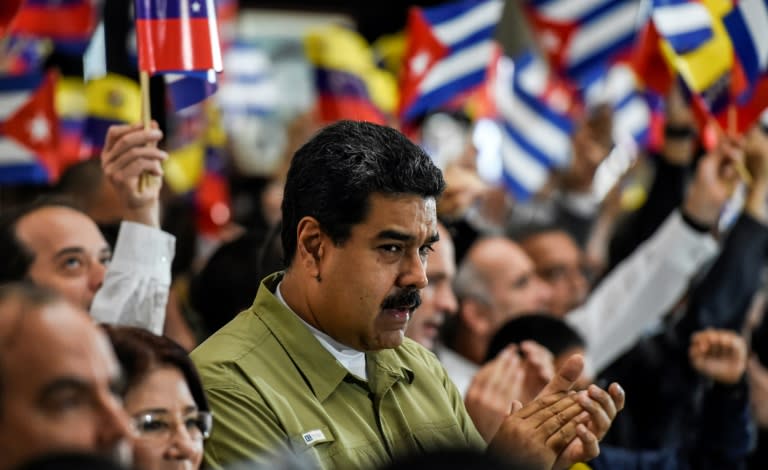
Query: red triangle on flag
(34,125)
(422,51)
(554,37)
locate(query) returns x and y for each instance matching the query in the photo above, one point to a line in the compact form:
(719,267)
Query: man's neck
(470,346)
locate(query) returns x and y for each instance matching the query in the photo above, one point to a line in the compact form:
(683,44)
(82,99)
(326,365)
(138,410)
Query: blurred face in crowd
(169,427)
(438,299)
(559,263)
(369,284)
(61,385)
(70,254)
(512,283)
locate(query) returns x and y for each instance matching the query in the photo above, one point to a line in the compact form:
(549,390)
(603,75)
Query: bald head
(498,269)
(59,379)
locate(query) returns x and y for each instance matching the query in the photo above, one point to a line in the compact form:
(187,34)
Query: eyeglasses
(161,425)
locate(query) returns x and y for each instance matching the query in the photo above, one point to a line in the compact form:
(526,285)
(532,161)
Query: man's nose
(414,272)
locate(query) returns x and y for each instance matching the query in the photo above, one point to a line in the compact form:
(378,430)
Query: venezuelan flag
(349,85)
(113,99)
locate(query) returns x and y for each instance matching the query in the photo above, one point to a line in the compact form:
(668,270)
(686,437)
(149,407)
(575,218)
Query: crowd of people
(396,315)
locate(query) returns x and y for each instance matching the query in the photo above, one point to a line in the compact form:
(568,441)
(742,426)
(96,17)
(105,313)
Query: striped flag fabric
(28,129)
(685,24)
(578,35)
(747,25)
(190,88)
(448,53)
(348,83)
(112,99)
(69,23)
(177,35)
(534,114)
(248,87)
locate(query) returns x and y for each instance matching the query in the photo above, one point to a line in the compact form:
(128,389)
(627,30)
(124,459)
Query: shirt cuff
(685,247)
(146,248)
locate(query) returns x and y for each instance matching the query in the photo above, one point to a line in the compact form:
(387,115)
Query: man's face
(60,385)
(70,254)
(438,299)
(559,263)
(514,287)
(370,283)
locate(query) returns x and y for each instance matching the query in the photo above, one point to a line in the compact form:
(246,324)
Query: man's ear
(310,245)
(476,316)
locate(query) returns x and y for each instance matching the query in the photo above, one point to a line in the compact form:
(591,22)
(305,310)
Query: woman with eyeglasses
(164,397)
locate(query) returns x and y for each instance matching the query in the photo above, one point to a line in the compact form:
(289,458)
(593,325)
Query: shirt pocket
(440,435)
(316,437)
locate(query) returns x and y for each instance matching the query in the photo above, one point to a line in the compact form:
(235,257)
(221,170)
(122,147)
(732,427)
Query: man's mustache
(410,299)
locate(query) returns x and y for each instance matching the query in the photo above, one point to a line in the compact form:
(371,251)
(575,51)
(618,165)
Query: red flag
(177,35)
(8,10)
(35,126)
(62,20)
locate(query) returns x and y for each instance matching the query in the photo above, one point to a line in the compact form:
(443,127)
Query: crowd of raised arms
(375,311)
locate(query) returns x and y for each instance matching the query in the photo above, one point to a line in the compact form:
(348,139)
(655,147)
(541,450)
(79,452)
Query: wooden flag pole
(145,179)
(739,166)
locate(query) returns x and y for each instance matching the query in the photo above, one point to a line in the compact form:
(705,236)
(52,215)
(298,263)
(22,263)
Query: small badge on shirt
(313,437)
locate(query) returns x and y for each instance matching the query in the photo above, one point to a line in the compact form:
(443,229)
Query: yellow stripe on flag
(114,97)
(705,65)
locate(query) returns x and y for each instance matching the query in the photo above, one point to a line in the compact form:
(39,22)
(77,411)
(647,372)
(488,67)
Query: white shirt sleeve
(136,284)
(640,290)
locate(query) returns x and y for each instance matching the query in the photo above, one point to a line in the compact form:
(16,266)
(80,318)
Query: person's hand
(715,180)
(756,161)
(493,391)
(678,149)
(130,151)
(758,391)
(462,188)
(719,354)
(601,408)
(554,429)
(539,366)
(590,144)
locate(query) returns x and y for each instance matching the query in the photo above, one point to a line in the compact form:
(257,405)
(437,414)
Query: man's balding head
(59,379)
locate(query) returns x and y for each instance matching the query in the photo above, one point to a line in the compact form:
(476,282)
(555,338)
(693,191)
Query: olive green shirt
(274,389)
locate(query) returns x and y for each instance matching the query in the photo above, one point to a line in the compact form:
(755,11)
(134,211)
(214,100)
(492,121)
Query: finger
(589,442)
(553,418)
(566,376)
(543,402)
(116,132)
(600,415)
(133,155)
(516,406)
(618,395)
(138,167)
(130,140)
(562,436)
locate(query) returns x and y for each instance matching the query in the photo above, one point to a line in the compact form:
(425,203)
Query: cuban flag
(747,25)
(578,35)
(28,129)
(618,87)
(448,53)
(534,113)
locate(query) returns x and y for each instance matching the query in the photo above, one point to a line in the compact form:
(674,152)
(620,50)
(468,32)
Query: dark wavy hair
(140,352)
(332,176)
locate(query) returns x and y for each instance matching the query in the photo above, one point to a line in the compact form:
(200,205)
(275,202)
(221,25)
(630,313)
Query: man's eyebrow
(63,384)
(433,239)
(395,235)
(70,250)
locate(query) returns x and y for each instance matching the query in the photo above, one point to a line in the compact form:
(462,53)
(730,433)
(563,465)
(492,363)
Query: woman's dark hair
(141,352)
(547,330)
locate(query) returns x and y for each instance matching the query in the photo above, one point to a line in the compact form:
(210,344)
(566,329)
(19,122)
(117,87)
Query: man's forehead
(56,227)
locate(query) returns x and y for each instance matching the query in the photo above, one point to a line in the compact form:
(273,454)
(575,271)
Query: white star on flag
(419,62)
(195,7)
(38,128)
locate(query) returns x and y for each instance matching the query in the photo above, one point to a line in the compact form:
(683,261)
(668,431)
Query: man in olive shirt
(319,366)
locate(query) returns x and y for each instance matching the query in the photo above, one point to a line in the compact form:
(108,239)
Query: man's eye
(390,248)
(72,263)
(426,250)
